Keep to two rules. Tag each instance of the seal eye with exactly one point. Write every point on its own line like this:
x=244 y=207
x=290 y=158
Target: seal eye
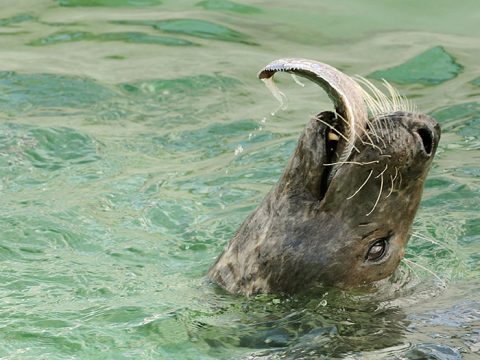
x=377 y=250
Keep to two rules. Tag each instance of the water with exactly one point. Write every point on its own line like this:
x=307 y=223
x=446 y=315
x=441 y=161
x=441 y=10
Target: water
x=135 y=138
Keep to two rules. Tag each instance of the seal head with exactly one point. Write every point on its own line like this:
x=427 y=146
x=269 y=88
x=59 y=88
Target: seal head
x=341 y=213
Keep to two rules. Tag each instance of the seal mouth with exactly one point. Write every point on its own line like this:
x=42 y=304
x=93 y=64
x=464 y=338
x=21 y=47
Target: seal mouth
x=355 y=102
x=346 y=94
x=363 y=130
x=333 y=144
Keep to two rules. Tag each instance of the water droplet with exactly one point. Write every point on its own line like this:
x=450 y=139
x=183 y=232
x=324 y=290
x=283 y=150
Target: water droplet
x=238 y=150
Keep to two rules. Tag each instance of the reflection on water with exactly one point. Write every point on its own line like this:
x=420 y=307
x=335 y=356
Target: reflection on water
x=135 y=138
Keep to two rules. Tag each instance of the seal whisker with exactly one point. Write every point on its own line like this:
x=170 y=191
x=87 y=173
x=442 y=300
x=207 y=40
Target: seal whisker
x=391 y=188
x=443 y=282
x=401 y=179
x=378 y=197
x=369 y=125
x=398 y=101
x=423 y=237
x=374 y=146
x=374 y=103
x=378 y=103
x=373 y=130
x=376 y=136
x=352 y=162
x=383 y=141
x=385 y=131
x=388 y=128
x=361 y=186
x=337 y=115
x=381 y=174
x=380 y=130
x=396 y=173
x=371 y=141
x=391 y=127
x=393 y=182
x=339 y=133
x=363 y=130
x=412 y=269
x=358 y=125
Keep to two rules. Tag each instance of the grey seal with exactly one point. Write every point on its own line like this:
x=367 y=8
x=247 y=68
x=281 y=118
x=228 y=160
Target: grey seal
x=341 y=213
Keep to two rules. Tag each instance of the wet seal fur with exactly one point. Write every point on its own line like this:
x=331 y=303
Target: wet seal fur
x=341 y=213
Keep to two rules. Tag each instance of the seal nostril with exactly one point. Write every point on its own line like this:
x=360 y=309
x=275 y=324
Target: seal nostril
x=427 y=139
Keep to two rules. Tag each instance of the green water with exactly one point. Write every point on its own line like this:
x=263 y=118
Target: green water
x=135 y=138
